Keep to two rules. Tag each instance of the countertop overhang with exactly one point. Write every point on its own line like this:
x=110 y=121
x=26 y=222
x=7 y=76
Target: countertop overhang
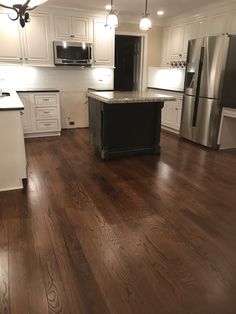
x=114 y=97
x=37 y=90
x=11 y=102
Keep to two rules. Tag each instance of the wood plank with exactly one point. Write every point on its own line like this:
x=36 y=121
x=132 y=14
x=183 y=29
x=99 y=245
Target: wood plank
x=148 y=234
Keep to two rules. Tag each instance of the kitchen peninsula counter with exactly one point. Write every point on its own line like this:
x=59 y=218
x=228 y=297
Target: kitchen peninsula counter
x=10 y=101
x=125 y=123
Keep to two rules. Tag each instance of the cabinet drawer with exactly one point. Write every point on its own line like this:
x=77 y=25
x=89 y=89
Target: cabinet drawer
x=47 y=125
x=45 y=100
x=46 y=112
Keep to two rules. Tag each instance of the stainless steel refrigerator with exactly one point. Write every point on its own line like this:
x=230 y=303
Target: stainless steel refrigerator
x=210 y=83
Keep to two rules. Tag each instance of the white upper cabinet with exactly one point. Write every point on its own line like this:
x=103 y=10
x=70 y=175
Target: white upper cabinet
x=72 y=28
x=176 y=37
x=202 y=28
x=10 y=46
x=165 y=57
x=232 y=23
x=218 y=24
x=189 y=30
x=29 y=45
x=176 y=43
x=104 y=41
x=38 y=47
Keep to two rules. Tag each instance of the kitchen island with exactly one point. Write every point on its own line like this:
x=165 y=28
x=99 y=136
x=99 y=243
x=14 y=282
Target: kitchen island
x=125 y=123
x=12 y=145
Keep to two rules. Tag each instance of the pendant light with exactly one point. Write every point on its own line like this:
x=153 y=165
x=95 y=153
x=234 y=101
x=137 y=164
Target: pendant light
x=112 y=17
x=145 y=22
x=21 y=8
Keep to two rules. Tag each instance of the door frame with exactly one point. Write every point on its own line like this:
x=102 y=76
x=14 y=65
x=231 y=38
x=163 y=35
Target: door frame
x=143 y=61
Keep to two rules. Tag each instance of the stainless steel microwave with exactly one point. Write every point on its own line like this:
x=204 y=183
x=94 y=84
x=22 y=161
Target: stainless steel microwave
x=72 y=53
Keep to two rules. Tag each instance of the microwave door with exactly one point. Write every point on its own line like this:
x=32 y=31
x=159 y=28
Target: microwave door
x=72 y=53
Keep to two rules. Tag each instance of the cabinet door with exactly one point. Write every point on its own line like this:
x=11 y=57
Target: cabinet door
x=176 y=42
x=103 y=44
x=219 y=24
x=188 y=33
x=10 y=45
x=232 y=27
x=177 y=115
x=63 y=28
x=80 y=28
x=26 y=113
x=37 y=45
x=171 y=114
x=165 y=61
x=202 y=28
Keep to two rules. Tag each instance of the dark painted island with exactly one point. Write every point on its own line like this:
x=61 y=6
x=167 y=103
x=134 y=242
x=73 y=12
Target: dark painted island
x=125 y=123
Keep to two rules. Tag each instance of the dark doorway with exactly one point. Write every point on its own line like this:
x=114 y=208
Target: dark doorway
x=127 y=62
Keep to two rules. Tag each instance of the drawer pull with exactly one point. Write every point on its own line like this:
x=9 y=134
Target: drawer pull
x=46 y=112
x=47 y=124
x=46 y=99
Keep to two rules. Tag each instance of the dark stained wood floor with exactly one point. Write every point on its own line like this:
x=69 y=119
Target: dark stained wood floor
x=147 y=235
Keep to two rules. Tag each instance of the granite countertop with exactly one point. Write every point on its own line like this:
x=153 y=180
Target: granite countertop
x=129 y=97
x=11 y=102
x=37 y=90
x=167 y=91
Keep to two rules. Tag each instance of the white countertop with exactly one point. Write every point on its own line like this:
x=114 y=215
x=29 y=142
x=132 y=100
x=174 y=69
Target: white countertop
x=11 y=102
x=114 y=97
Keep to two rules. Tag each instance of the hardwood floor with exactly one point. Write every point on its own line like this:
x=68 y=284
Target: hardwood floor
x=147 y=235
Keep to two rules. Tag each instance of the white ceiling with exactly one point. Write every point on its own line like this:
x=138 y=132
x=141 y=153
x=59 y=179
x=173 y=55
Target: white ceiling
x=136 y=7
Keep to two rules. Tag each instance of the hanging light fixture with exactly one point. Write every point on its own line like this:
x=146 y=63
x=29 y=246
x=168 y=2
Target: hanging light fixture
x=21 y=8
x=112 y=17
x=145 y=22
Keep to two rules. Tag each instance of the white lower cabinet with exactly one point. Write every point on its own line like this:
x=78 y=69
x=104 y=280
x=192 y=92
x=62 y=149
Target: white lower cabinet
x=171 y=115
x=12 y=157
x=41 y=115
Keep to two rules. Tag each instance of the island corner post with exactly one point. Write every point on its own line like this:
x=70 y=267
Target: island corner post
x=125 y=129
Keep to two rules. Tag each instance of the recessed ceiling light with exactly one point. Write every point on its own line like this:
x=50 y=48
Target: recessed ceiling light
x=108 y=7
x=160 y=12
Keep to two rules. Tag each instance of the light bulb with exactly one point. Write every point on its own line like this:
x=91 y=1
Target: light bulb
x=112 y=20
x=145 y=23
x=160 y=12
x=108 y=7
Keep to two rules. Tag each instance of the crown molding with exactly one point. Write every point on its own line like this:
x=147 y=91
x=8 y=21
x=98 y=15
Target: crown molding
x=206 y=10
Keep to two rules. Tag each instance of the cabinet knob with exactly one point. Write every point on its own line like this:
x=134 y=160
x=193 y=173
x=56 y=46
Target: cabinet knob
x=72 y=36
x=20 y=58
x=26 y=59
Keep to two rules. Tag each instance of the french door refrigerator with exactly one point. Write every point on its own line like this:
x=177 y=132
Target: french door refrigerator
x=210 y=83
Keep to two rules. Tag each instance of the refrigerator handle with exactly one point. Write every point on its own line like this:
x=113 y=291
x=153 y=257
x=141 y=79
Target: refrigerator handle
x=198 y=87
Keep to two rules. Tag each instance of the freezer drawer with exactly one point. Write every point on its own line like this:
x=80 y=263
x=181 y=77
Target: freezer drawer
x=207 y=122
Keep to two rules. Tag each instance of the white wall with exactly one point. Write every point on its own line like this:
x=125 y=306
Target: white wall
x=72 y=82
x=62 y=78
